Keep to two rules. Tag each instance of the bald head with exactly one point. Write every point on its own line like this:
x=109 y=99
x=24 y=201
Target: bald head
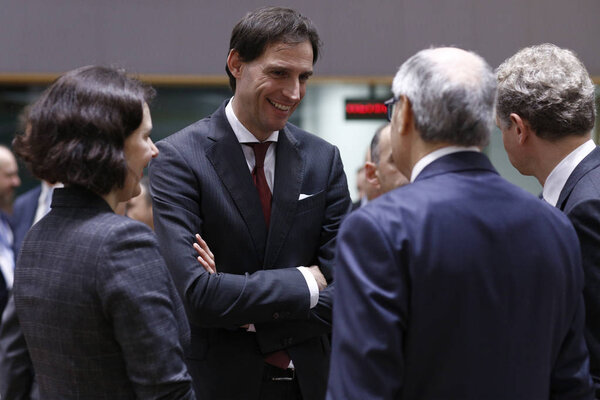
x=9 y=179
x=451 y=92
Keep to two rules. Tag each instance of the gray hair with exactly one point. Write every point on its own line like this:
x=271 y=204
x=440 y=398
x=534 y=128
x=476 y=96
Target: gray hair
x=451 y=102
x=550 y=88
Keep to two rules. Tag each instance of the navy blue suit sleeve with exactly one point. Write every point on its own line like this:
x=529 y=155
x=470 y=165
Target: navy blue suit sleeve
x=585 y=217
x=16 y=369
x=222 y=299
x=139 y=298
x=370 y=313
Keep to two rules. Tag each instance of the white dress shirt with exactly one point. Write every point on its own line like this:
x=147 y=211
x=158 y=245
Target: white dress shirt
x=45 y=200
x=245 y=136
x=434 y=155
x=558 y=177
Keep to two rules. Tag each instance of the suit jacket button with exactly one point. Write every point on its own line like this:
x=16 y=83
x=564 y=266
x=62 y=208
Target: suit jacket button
x=276 y=315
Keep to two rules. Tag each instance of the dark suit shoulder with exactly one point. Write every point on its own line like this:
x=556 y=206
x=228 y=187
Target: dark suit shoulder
x=585 y=190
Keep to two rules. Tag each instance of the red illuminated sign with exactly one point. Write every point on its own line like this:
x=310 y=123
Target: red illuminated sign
x=365 y=109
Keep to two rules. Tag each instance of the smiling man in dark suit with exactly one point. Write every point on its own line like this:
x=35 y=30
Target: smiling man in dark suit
x=459 y=285
x=546 y=111
x=267 y=198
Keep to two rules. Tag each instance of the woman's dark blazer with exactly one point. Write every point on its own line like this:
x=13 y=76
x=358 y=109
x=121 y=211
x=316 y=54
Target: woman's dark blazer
x=97 y=306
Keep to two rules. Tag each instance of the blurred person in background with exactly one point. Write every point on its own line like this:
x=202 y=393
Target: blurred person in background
x=9 y=181
x=380 y=170
x=98 y=309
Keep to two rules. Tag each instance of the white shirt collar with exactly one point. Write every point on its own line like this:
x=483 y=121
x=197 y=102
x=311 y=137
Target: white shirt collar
x=434 y=155
x=244 y=135
x=558 y=177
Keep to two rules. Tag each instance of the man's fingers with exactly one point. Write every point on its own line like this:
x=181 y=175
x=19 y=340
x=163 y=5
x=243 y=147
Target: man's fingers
x=204 y=246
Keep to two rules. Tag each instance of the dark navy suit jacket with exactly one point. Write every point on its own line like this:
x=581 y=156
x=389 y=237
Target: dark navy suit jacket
x=458 y=286
x=16 y=371
x=201 y=183
x=580 y=200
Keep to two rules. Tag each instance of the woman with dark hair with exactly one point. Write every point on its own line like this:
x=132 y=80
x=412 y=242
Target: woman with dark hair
x=97 y=306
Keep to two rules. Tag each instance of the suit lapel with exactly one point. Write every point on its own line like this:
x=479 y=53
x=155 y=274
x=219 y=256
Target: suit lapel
x=289 y=172
x=591 y=161
x=228 y=160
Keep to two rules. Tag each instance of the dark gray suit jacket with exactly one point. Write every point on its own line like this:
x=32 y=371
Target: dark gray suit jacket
x=201 y=183
x=97 y=306
x=580 y=200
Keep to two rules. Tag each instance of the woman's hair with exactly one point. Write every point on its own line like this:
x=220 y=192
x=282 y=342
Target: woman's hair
x=75 y=132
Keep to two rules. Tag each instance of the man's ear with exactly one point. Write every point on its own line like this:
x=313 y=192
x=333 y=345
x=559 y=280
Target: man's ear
x=234 y=63
x=406 y=116
x=371 y=173
x=523 y=130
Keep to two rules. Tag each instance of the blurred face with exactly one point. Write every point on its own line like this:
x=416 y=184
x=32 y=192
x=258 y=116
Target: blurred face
x=270 y=88
x=139 y=149
x=140 y=209
x=9 y=179
x=387 y=172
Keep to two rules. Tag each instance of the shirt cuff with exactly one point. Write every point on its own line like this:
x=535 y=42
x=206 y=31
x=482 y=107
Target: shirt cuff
x=311 y=282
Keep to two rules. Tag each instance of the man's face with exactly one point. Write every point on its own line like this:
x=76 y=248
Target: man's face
x=269 y=88
x=400 y=145
x=9 y=179
x=511 y=145
x=388 y=174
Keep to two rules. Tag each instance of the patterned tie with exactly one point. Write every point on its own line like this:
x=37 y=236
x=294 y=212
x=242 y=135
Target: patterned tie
x=280 y=358
x=260 y=181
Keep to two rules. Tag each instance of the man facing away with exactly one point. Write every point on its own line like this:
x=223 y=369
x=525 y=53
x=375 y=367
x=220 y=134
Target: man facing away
x=459 y=285
x=546 y=111
x=380 y=170
x=267 y=198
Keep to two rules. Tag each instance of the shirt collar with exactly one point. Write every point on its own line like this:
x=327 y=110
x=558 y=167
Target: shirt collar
x=244 y=135
x=434 y=155
x=558 y=177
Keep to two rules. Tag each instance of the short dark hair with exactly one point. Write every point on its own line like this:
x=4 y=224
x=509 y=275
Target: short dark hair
x=75 y=132
x=267 y=25
x=374 y=149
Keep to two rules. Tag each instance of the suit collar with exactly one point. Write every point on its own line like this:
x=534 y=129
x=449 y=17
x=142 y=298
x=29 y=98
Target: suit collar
x=78 y=197
x=590 y=162
x=457 y=162
x=434 y=155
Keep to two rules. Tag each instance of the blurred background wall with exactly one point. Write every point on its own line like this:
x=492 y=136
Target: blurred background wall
x=180 y=47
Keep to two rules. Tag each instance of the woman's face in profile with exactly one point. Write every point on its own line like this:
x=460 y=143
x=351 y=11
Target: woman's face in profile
x=138 y=149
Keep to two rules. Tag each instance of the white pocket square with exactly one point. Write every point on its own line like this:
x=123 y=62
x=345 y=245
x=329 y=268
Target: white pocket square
x=304 y=196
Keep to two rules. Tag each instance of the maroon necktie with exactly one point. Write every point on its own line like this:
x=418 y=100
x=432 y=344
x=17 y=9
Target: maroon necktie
x=260 y=180
x=280 y=358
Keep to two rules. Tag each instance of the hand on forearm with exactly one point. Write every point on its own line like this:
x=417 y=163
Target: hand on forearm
x=205 y=257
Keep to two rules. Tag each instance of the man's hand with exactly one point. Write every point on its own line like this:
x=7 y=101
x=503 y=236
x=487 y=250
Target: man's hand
x=321 y=281
x=206 y=257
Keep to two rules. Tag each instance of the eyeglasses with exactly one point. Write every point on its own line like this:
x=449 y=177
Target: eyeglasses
x=390 y=107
